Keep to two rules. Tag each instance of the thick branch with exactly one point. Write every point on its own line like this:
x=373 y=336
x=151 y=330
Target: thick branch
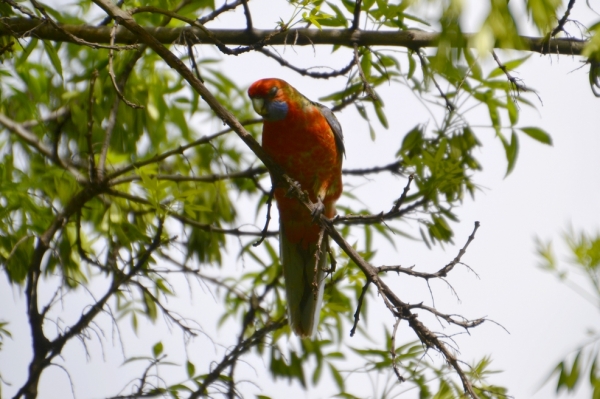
x=412 y=39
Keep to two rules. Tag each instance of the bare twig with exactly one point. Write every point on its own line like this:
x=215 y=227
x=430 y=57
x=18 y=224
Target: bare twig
x=516 y=83
x=378 y=218
x=561 y=23
x=266 y=228
x=175 y=318
x=224 y=8
x=359 y=306
x=366 y=85
x=393 y=352
x=247 y=15
x=191 y=222
x=450 y=319
x=402 y=198
x=356 y=19
x=54 y=115
x=19 y=7
x=307 y=71
x=248 y=173
x=449 y=104
x=179 y=150
x=33 y=141
x=260 y=43
x=111 y=72
x=74 y=38
x=443 y=272
x=195 y=68
x=232 y=355
x=6 y=48
x=90 y=125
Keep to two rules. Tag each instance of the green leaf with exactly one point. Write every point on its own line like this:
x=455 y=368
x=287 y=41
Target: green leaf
x=53 y=55
x=337 y=376
x=513 y=111
x=381 y=114
x=190 y=368
x=365 y=64
x=151 y=310
x=537 y=134
x=543 y=13
x=157 y=349
x=511 y=149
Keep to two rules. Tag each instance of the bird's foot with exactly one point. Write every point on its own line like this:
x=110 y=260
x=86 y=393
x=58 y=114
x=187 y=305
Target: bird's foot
x=317 y=210
x=295 y=184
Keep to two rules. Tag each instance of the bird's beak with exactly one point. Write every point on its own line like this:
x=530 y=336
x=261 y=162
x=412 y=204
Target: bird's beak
x=259 y=106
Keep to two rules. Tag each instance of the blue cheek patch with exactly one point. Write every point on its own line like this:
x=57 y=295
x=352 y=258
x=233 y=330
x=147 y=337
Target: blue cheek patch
x=277 y=110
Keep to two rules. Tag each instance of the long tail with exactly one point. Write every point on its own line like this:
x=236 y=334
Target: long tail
x=304 y=292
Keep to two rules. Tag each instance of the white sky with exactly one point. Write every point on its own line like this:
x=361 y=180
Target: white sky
x=550 y=189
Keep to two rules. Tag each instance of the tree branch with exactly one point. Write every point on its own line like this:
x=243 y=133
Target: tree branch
x=443 y=272
x=32 y=140
x=232 y=356
x=412 y=39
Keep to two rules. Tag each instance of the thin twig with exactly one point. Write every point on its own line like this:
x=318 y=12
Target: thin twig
x=356 y=19
x=359 y=306
x=6 y=48
x=393 y=352
x=443 y=272
x=32 y=140
x=54 y=115
x=266 y=228
x=90 y=126
x=307 y=71
x=247 y=15
x=260 y=43
x=402 y=198
x=232 y=355
x=224 y=8
x=19 y=7
x=380 y=217
x=179 y=150
x=450 y=319
x=191 y=222
x=195 y=68
x=111 y=71
x=366 y=85
x=449 y=104
x=561 y=23
x=212 y=178
x=515 y=82
x=74 y=38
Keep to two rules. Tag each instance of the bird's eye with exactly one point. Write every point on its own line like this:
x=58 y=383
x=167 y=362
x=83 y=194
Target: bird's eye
x=273 y=91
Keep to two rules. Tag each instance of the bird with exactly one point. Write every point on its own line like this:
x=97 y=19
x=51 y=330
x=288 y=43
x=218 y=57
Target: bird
x=305 y=139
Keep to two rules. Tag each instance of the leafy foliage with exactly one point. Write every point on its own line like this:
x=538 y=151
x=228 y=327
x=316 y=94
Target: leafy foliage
x=585 y=259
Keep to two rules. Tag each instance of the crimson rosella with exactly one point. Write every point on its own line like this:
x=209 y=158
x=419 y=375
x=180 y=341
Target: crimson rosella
x=306 y=140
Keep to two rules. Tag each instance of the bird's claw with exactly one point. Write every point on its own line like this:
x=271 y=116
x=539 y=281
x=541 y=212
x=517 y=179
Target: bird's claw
x=293 y=186
x=317 y=210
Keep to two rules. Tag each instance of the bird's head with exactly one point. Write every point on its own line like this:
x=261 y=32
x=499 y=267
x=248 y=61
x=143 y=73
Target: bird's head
x=269 y=98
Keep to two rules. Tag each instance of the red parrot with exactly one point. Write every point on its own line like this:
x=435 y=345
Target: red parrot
x=305 y=139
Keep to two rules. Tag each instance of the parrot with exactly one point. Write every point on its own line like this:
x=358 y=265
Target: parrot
x=305 y=139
